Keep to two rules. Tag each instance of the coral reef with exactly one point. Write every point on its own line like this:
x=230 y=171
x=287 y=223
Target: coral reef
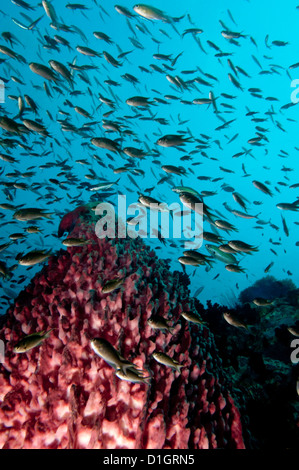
x=259 y=369
x=267 y=287
x=61 y=394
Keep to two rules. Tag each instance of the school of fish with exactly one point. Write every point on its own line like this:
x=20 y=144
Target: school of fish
x=91 y=112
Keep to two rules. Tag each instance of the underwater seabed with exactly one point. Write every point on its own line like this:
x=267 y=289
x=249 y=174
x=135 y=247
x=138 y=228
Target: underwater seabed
x=220 y=387
x=61 y=394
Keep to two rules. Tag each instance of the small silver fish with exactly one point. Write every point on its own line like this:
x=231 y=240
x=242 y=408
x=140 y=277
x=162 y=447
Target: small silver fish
x=233 y=320
x=106 y=351
x=75 y=242
x=159 y=323
x=192 y=317
x=293 y=331
x=260 y=302
x=132 y=375
x=234 y=268
x=33 y=257
x=166 y=360
x=31 y=341
x=189 y=261
x=111 y=285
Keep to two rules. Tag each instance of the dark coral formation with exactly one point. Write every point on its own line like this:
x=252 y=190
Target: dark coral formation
x=259 y=369
x=62 y=395
x=267 y=287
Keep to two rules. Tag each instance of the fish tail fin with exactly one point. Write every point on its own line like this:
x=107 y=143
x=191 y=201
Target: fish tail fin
x=47 y=334
x=48 y=215
x=17 y=116
x=22 y=59
x=34 y=23
x=178 y=18
x=250 y=329
x=125 y=365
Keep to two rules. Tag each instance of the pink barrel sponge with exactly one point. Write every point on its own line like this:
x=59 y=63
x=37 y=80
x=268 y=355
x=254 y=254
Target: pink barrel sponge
x=61 y=394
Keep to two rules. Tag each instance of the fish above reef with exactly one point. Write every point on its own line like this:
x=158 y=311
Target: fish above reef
x=111 y=285
x=31 y=341
x=189 y=261
x=173 y=140
x=5 y=271
x=261 y=302
x=111 y=60
x=33 y=257
x=62 y=70
x=267 y=268
x=186 y=190
x=200 y=258
x=131 y=375
x=226 y=258
x=159 y=323
x=50 y=11
x=43 y=71
x=285 y=206
x=6 y=245
x=262 y=187
x=294 y=331
x=173 y=169
x=234 y=268
x=123 y=11
x=138 y=101
x=195 y=203
x=31 y=214
x=166 y=360
x=16 y=236
x=153 y=13
x=103 y=36
x=151 y=203
x=106 y=351
x=224 y=225
x=10 y=53
x=232 y=35
x=232 y=320
x=75 y=242
x=238 y=245
x=35 y=127
x=33 y=229
x=102 y=186
x=104 y=142
x=193 y=317
x=10 y=125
